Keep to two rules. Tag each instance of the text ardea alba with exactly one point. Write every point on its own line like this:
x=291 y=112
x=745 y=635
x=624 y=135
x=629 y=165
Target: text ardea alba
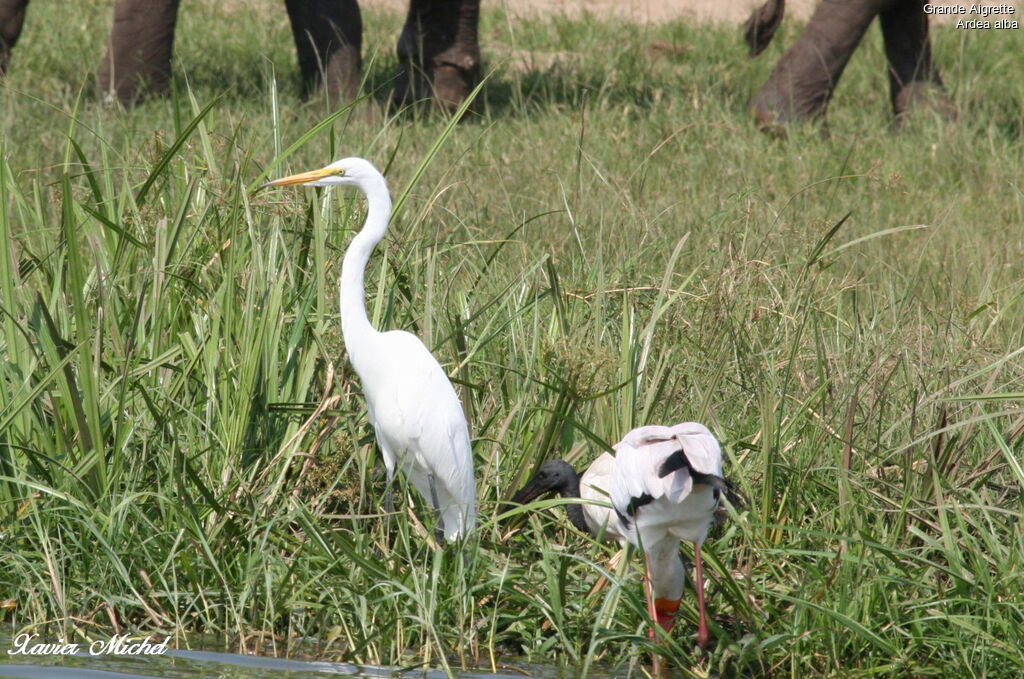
x=416 y=414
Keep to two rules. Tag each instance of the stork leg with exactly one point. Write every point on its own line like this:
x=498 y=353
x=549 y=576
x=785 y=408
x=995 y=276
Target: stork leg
x=657 y=667
x=702 y=625
x=649 y=592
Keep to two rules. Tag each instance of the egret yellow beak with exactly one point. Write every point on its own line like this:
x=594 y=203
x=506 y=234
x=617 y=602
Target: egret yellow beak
x=305 y=177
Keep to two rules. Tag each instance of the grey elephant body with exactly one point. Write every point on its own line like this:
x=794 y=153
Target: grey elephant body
x=803 y=80
x=438 y=52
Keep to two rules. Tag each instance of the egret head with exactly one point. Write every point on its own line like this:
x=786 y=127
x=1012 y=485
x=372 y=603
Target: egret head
x=554 y=476
x=344 y=172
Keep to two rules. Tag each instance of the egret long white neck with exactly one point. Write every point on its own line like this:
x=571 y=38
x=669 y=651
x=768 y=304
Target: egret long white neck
x=354 y=322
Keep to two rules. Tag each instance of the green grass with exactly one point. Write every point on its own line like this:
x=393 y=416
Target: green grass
x=609 y=243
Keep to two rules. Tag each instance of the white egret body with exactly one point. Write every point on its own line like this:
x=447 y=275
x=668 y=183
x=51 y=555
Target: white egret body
x=416 y=414
x=666 y=487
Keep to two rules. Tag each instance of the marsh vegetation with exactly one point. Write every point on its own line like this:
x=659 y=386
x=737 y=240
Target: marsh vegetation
x=607 y=242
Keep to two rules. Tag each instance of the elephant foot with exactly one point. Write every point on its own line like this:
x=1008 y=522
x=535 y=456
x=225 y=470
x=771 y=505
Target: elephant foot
x=802 y=82
x=775 y=108
x=137 y=63
x=438 y=53
x=328 y=38
x=342 y=75
x=445 y=85
x=134 y=86
x=923 y=96
x=452 y=85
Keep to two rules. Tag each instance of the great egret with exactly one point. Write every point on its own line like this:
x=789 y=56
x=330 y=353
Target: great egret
x=416 y=414
x=666 y=486
x=558 y=476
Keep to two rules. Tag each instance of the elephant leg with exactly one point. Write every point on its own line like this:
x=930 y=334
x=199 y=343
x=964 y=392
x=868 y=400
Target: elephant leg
x=800 y=86
x=438 y=52
x=328 y=38
x=913 y=77
x=138 y=58
x=762 y=24
x=12 y=18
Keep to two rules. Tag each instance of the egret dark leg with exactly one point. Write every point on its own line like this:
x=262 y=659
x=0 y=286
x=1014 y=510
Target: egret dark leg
x=389 y=493
x=389 y=502
x=702 y=625
x=439 y=531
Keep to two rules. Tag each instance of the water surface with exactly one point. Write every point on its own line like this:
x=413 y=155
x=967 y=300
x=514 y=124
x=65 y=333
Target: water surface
x=200 y=664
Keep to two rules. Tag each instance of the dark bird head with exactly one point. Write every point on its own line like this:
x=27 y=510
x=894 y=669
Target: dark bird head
x=554 y=476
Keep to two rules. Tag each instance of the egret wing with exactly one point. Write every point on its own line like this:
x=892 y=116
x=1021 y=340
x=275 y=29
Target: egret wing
x=419 y=420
